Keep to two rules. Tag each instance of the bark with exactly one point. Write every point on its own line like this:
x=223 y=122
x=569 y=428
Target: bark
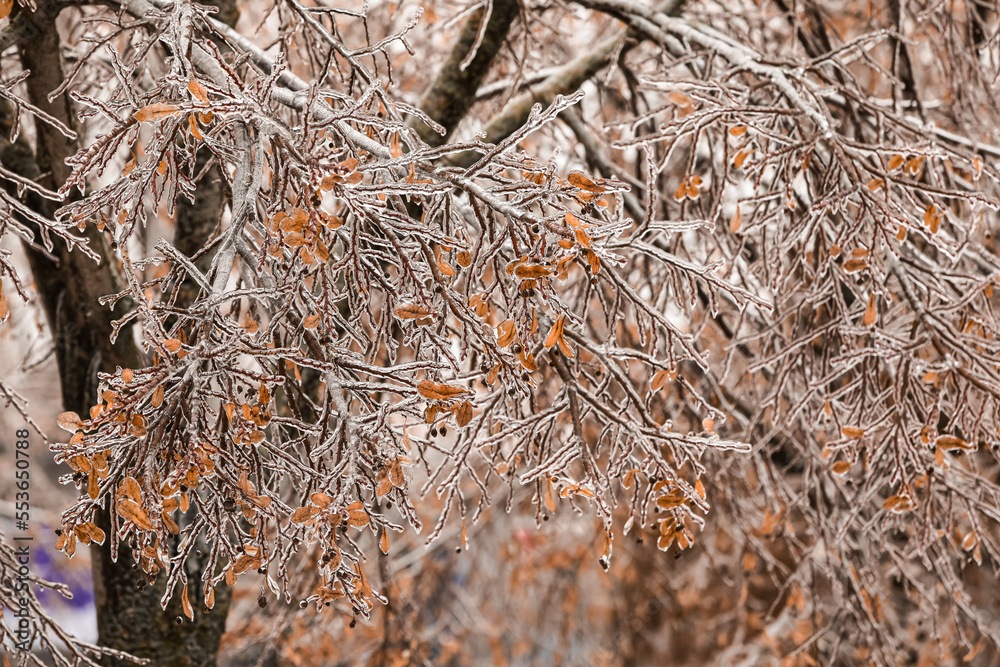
x=564 y=82
x=453 y=91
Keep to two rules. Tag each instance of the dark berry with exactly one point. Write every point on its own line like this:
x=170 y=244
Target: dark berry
x=261 y=602
x=444 y=430
x=517 y=348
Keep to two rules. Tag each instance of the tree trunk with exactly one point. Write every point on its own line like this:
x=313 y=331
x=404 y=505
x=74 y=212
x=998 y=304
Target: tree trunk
x=70 y=284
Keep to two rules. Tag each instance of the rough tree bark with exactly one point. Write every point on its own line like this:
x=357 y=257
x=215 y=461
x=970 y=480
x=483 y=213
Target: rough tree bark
x=453 y=92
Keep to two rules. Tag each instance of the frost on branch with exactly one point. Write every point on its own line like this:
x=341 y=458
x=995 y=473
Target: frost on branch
x=360 y=299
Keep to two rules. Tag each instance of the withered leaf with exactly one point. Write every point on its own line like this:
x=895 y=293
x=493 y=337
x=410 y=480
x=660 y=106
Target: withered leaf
x=198 y=90
x=531 y=271
x=411 y=311
x=356 y=515
x=69 y=421
x=463 y=413
x=131 y=511
x=303 y=514
x=505 y=333
x=439 y=392
x=577 y=179
x=153 y=112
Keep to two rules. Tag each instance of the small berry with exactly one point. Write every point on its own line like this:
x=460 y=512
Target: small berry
x=517 y=348
x=353 y=623
x=434 y=432
x=261 y=602
x=178 y=621
x=444 y=430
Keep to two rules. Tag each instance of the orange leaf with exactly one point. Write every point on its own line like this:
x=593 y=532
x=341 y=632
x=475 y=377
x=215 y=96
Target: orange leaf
x=130 y=488
x=658 y=379
x=578 y=180
x=157 y=399
x=153 y=112
x=853 y=432
x=303 y=514
x=555 y=333
x=947 y=442
x=5 y=7
x=193 y=128
x=198 y=90
x=172 y=344
x=131 y=511
x=680 y=99
x=438 y=392
x=69 y=421
x=870 y=313
x=737 y=221
x=410 y=311
x=681 y=191
x=531 y=271
x=505 y=333
x=853 y=265
x=357 y=516
x=463 y=413
x=383 y=543
x=841 y=467
x=550 y=501
x=528 y=361
x=311 y=322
